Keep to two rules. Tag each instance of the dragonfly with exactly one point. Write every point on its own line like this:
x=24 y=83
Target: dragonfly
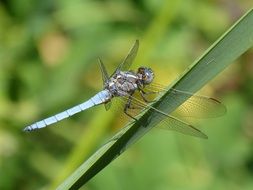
x=125 y=84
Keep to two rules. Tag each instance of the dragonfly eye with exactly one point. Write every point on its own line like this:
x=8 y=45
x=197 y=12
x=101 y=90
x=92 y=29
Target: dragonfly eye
x=147 y=74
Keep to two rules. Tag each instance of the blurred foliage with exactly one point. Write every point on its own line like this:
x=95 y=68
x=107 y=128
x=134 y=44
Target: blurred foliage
x=48 y=62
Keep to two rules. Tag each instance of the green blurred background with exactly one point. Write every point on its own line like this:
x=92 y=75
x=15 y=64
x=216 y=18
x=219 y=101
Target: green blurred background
x=48 y=62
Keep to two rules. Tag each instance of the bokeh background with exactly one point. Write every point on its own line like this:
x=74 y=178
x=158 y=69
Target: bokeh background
x=48 y=62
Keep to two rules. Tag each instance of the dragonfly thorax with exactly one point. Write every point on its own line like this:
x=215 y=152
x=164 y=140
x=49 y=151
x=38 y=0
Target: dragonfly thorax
x=123 y=83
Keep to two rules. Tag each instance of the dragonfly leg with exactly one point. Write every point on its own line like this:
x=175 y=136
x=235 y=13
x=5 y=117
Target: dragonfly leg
x=128 y=106
x=143 y=94
x=150 y=92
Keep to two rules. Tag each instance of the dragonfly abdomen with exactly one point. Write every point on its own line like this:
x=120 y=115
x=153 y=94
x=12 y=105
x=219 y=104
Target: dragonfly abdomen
x=99 y=98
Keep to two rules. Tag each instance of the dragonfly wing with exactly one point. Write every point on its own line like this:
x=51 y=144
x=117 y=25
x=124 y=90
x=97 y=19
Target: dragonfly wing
x=196 y=106
x=105 y=75
x=166 y=121
x=127 y=62
x=175 y=124
x=108 y=105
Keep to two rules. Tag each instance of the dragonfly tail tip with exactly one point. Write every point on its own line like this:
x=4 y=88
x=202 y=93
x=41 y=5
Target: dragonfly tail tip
x=27 y=129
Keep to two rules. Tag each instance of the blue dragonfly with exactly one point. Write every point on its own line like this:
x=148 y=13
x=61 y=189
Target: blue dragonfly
x=125 y=84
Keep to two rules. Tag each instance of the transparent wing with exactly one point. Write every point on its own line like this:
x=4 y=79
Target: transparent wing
x=196 y=106
x=200 y=107
x=105 y=76
x=175 y=124
x=127 y=62
x=166 y=121
x=108 y=105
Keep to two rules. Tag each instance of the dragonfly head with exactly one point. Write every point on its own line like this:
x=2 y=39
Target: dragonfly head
x=146 y=75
